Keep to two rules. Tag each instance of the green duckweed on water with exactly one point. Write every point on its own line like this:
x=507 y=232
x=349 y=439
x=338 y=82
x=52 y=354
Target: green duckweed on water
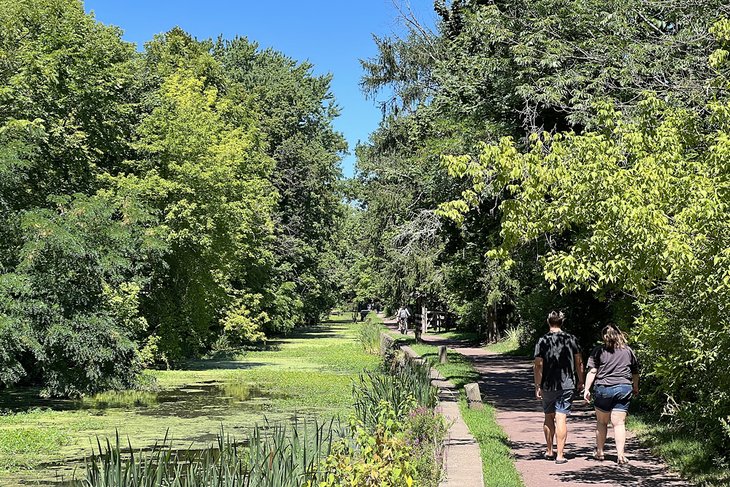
x=311 y=371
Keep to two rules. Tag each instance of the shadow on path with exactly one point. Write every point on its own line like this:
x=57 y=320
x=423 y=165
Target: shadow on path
x=506 y=383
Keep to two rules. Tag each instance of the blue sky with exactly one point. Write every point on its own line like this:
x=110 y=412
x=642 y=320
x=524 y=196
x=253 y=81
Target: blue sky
x=332 y=34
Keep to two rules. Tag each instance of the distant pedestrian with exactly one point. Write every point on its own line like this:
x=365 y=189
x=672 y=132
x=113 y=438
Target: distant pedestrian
x=364 y=311
x=402 y=315
x=557 y=359
x=614 y=369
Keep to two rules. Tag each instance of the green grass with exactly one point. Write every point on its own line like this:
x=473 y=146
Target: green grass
x=119 y=399
x=461 y=335
x=458 y=369
x=22 y=447
x=497 y=463
x=510 y=344
x=310 y=371
x=692 y=457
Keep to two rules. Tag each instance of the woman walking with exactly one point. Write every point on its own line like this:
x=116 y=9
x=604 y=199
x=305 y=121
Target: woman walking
x=615 y=370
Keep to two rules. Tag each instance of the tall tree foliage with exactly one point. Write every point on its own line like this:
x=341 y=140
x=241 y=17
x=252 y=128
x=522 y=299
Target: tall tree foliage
x=645 y=201
x=494 y=69
x=73 y=255
x=68 y=99
x=154 y=203
x=297 y=110
x=602 y=198
x=202 y=168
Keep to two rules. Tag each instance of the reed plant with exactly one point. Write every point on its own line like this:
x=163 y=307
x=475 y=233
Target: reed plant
x=368 y=334
x=275 y=455
x=406 y=387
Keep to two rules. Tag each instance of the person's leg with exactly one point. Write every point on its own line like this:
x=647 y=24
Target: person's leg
x=618 y=419
x=602 y=419
x=563 y=405
x=561 y=431
x=549 y=429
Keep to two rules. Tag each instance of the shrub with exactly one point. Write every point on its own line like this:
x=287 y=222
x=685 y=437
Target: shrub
x=425 y=433
x=378 y=454
x=242 y=325
x=75 y=295
x=152 y=355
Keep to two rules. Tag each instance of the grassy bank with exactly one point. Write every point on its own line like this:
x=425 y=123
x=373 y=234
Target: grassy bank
x=308 y=372
x=692 y=457
x=497 y=463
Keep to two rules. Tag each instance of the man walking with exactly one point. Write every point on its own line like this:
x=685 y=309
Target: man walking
x=557 y=362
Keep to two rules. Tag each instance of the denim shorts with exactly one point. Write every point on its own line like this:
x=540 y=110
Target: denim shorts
x=612 y=398
x=557 y=401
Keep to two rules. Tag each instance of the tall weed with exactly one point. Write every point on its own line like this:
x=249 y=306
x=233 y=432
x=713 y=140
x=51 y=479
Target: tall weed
x=368 y=334
x=405 y=388
x=277 y=455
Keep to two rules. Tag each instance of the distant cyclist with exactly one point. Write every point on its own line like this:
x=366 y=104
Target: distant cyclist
x=403 y=314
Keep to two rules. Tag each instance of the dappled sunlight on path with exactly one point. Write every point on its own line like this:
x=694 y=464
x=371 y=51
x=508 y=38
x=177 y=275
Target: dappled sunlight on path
x=506 y=383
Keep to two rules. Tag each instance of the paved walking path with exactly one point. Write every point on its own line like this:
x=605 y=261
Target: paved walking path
x=506 y=383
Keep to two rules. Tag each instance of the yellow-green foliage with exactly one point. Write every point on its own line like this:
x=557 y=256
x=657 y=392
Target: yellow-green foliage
x=203 y=168
x=643 y=202
x=379 y=457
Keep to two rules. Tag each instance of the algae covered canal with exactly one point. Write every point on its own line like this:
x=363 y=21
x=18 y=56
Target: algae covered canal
x=42 y=442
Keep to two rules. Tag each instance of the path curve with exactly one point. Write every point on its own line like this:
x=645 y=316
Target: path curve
x=506 y=383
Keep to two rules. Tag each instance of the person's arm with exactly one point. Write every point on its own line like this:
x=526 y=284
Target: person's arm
x=634 y=373
x=538 y=377
x=590 y=377
x=579 y=369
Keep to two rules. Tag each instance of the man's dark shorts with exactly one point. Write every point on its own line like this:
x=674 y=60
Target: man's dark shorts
x=557 y=401
x=612 y=398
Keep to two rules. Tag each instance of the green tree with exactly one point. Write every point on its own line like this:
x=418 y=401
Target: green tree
x=645 y=202
x=296 y=111
x=495 y=69
x=72 y=256
x=69 y=312
x=202 y=168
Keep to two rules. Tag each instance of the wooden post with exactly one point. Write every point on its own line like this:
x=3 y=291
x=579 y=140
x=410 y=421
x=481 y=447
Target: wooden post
x=474 y=396
x=424 y=319
x=443 y=356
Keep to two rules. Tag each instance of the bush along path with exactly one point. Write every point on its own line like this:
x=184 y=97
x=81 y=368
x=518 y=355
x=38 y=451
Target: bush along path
x=506 y=383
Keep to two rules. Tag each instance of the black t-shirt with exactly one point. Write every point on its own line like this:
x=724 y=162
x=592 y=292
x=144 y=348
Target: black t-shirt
x=558 y=351
x=614 y=367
